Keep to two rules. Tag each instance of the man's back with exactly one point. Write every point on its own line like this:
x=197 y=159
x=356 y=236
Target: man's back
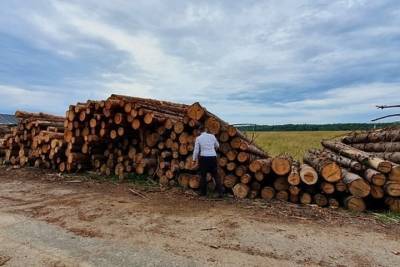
x=206 y=144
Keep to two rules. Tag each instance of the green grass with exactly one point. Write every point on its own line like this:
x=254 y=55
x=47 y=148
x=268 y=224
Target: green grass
x=388 y=217
x=293 y=143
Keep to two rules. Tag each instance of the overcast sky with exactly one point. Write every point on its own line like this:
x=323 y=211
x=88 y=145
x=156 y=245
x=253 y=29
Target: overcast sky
x=272 y=62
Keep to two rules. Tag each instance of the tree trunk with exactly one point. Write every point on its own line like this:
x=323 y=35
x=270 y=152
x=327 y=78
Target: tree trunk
x=361 y=156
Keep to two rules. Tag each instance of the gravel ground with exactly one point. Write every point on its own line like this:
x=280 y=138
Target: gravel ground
x=50 y=220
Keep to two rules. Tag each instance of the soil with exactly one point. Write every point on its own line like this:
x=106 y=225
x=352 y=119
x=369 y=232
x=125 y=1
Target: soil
x=51 y=220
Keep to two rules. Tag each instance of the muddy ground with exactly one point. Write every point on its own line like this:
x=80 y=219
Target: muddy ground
x=52 y=220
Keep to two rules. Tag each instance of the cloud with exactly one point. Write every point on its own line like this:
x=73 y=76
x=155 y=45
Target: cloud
x=15 y=98
x=252 y=61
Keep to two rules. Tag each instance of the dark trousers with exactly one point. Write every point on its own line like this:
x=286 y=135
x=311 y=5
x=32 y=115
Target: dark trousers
x=209 y=165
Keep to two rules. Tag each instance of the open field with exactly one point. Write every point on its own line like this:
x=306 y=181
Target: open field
x=293 y=143
x=73 y=220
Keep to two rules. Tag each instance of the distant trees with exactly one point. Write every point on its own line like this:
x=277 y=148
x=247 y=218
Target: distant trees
x=317 y=127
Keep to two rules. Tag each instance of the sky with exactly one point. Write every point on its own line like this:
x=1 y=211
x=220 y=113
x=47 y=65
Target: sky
x=265 y=62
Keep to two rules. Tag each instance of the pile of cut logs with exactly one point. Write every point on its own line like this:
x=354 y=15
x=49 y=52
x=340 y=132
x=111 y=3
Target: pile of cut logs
x=37 y=140
x=126 y=135
x=370 y=171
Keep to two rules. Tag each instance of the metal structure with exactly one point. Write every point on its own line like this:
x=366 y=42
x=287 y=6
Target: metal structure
x=387 y=116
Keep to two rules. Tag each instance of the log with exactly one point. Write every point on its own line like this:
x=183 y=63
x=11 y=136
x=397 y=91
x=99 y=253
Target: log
x=320 y=200
x=384 y=135
x=308 y=175
x=281 y=183
x=282 y=195
x=230 y=181
x=294 y=190
x=213 y=125
x=361 y=156
x=393 y=203
x=392 y=188
x=340 y=186
x=305 y=198
x=378 y=147
x=40 y=115
x=357 y=186
x=333 y=203
x=267 y=193
x=194 y=181
x=374 y=177
x=245 y=178
x=281 y=165
x=377 y=192
x=262 y=165
x=391 y=156
x=241 y=190
x=294 y=175
x=394 y=174
x=327 y=188
x=354 y=204
x=341 y=160
x=328 y=169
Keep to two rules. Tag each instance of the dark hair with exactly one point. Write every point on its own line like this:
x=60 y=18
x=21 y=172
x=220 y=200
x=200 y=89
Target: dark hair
x=202 y=128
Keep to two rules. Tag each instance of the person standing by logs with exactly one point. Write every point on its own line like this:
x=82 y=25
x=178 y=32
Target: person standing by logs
x=205 y=155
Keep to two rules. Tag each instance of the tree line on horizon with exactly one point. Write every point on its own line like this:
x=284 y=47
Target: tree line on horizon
x=317 y=127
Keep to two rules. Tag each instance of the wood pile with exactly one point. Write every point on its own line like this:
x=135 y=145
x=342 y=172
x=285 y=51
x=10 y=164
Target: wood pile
x=37 y=140
x=370 y=176
x=125 y=135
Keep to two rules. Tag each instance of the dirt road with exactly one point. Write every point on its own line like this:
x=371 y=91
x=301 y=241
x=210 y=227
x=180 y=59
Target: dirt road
x=46 y=220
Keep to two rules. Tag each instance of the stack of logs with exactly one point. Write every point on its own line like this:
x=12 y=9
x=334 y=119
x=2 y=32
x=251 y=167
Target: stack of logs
x=126 y=135
x=370 y=170
x=5 y=131
x=37 y=140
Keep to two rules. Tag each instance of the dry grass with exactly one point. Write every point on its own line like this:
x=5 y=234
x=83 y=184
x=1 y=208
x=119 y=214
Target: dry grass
x=294 y=143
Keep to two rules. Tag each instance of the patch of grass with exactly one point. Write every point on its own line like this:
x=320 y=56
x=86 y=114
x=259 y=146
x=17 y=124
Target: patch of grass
x=293 y=143
x=388 y=217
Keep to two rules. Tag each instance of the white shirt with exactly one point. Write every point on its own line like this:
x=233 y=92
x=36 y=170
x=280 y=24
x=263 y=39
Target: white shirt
x=205 y=145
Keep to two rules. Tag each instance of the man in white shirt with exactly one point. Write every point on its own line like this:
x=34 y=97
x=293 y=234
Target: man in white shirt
x=205 y=153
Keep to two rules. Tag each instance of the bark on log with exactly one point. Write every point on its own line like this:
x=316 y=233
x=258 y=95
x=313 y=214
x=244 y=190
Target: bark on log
x=391 y=156
x=341 y=160
x=384 y=135
x=361 y=156
x=378 y=147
